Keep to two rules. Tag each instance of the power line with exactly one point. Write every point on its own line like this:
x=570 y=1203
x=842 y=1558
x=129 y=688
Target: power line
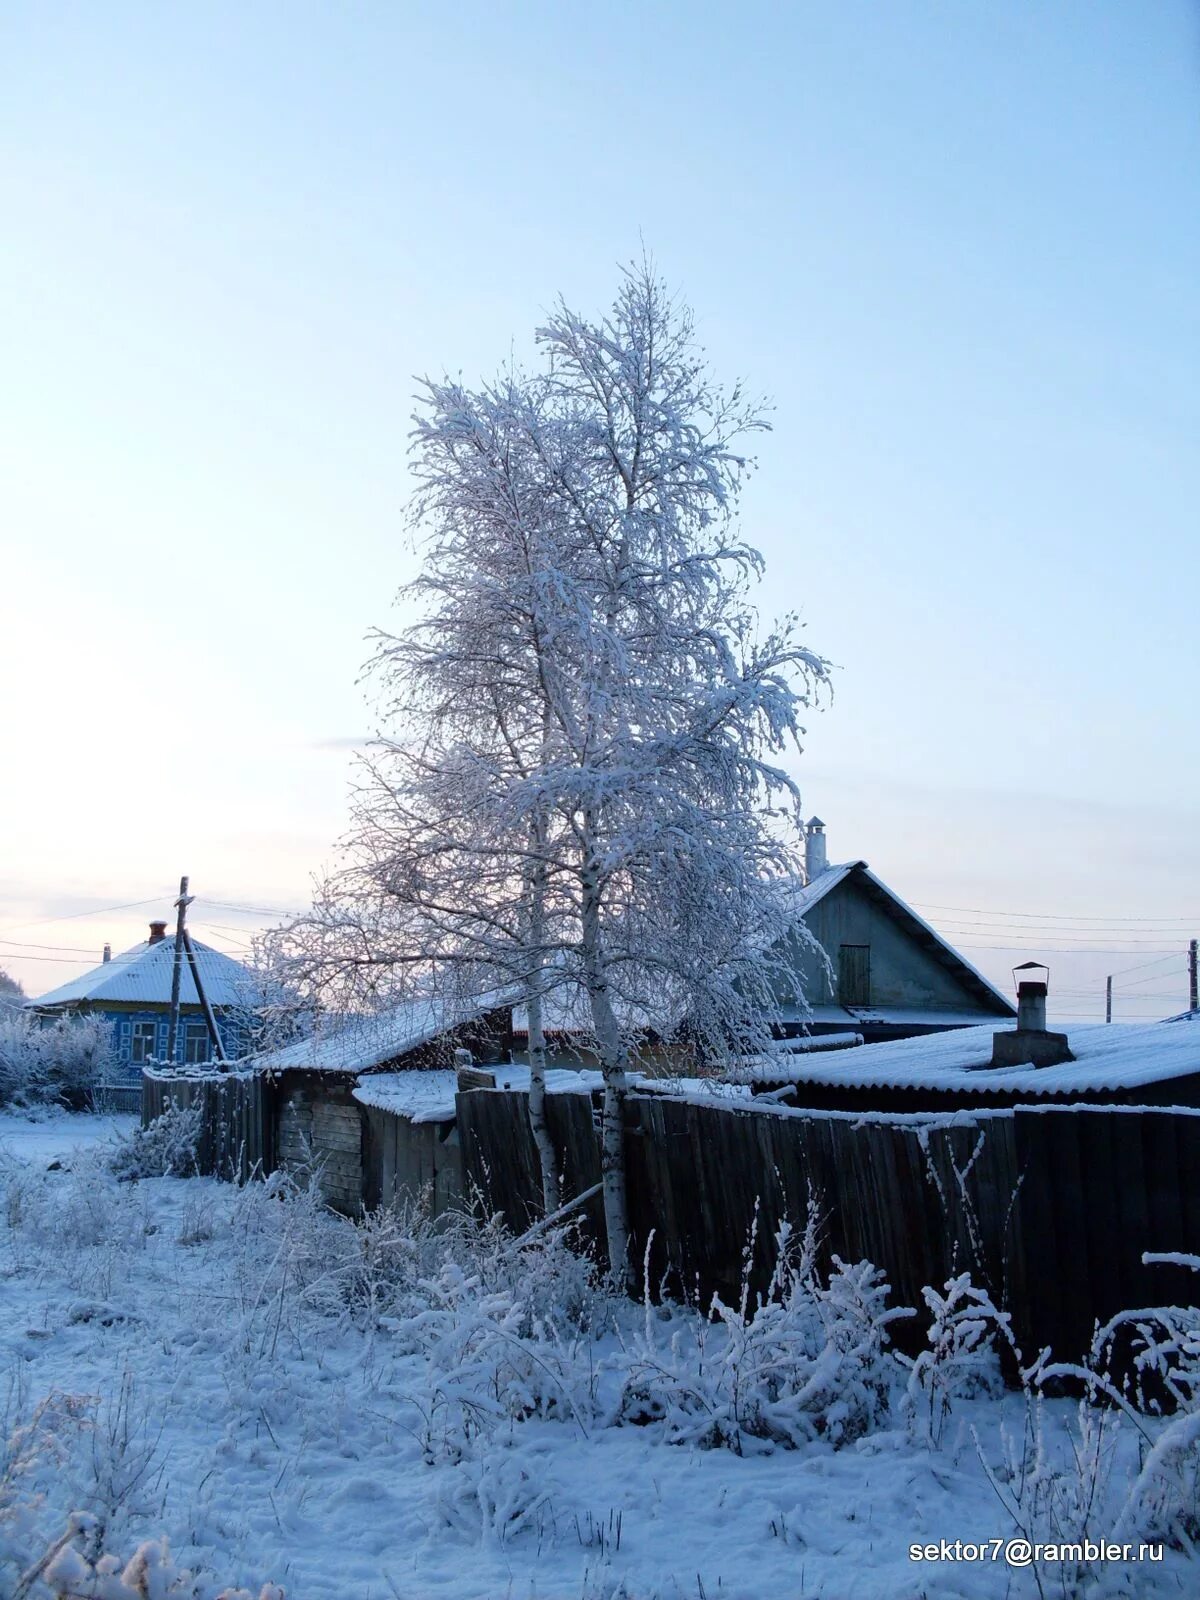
x=1064 y=949
x=72 y=949
x=264 y=911
x=1028 y=930
x=65 y=961
x=1143 y=965
x=1050 y=916
x=95 y=911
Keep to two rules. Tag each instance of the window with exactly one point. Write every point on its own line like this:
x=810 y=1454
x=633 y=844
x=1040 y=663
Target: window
x=854 y=975
x=141 y=1047
x=195 y=1043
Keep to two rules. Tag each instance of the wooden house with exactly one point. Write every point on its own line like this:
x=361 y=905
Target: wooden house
x=877 y=969
x=132 y=991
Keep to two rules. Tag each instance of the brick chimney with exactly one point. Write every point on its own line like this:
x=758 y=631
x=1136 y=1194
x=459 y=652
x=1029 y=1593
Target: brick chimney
x=815 y=862
x=158 y=932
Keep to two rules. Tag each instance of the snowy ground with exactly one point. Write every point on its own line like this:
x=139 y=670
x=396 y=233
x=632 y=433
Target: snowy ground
x=45 y=1136
x=364 y=1414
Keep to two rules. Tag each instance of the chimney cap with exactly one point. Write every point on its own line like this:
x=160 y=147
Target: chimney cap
x=815 y=825
x=1025 y=973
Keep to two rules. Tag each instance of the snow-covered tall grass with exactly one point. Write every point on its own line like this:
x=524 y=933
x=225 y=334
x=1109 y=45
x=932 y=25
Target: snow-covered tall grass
x=291 y=1398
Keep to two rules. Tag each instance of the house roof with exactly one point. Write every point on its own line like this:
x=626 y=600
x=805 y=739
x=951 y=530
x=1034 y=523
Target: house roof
x=363 y=1043
x=142 y=975
x=1109 y=1056
x=918 y=929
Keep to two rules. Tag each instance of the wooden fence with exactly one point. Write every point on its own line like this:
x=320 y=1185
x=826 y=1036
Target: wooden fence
x=1050 y=1208
x=407 y=1163
x=307 y=1123
x=237 y=1134
x=117 y=1097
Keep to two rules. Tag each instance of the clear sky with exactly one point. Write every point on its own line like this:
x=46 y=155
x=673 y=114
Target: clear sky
x=958 y=244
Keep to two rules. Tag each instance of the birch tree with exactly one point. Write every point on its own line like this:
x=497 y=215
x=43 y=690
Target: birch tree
x=580 y=790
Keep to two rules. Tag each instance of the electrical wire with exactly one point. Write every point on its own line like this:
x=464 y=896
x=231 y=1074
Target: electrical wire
x=70 y=949
x=1049 y=916
x=95 y=911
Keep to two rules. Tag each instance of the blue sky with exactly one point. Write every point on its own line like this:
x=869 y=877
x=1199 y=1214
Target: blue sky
x=958 y=245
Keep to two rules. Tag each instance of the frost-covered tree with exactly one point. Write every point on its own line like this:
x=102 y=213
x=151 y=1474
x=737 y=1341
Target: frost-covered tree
x=578 y=792
x=11 y=992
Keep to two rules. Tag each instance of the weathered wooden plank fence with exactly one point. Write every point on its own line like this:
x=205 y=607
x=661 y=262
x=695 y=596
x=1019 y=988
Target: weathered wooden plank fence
x=410 y=1164
x=1050 y=1208
x=237 y=1139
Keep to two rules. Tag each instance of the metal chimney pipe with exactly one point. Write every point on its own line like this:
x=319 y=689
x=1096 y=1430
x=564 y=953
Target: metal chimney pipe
x=815 y=860
x=107 y=956
x=1031 y=1007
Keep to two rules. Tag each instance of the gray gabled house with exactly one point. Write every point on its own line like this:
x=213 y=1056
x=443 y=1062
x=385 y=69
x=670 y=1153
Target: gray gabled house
x=884 y=972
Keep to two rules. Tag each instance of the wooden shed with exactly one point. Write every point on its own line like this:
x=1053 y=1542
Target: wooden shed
x=323 y=1122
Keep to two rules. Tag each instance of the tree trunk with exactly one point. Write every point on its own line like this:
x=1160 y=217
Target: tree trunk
x=537 y=1035
x=612 y=1065
x=537 y=1106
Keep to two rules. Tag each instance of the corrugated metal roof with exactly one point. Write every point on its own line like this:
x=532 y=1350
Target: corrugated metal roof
x=143 y=975
x=371 y=1041
x=1108 y=1056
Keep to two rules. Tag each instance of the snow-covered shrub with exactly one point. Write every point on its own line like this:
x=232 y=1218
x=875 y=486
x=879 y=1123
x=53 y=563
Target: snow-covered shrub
x=1120 y=1470
x=36 y=1444
x=962 y=1359
x=1059 y=1480
x=1164 y=1500
x=78 y=1567
x=807 y=1360
x=58 y=1063
x=167 y=1148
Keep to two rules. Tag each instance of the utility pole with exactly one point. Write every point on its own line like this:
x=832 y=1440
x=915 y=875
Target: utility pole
x=1193 y=976
x=209 y=1016
x=182 y=903
x=1108 y=998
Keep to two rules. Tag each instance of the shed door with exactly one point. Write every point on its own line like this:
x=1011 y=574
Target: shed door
x=854 y=974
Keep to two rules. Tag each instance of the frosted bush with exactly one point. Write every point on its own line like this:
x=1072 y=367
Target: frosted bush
x=807 y=1360
x=77 y=1567
x=962 y=1359
x=167 y=1148
x=58 y=1063
x=1164 y=1500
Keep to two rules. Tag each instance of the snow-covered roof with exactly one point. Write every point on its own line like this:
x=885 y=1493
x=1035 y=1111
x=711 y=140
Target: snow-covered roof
x=143 y=976
x=428 y=1096
x=1113 y=1056
x=851 y=1017
x=365 y=1042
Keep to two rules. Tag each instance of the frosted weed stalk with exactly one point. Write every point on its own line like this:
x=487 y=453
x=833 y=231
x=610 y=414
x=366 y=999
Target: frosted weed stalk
x=806 y=1360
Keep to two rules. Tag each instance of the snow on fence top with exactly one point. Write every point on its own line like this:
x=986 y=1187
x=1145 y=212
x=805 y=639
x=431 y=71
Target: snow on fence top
x=1108 y=1056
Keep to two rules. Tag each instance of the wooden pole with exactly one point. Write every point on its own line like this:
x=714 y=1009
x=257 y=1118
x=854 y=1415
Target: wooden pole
x=209 y=1016
x=177 y=971
x=1193 y=978
x=1108 y=999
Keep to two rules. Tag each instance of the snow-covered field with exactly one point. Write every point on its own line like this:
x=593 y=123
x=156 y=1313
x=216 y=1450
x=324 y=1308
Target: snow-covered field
x=364 y=1413
x=45 y=1136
